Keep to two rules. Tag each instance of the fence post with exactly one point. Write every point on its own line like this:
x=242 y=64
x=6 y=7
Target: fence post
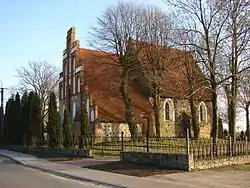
x=246 y=142
x=230 y=146
x=91 y=142
x=187 y=142
x=211 y=147
x=122 y=140
x=147 y=143
x=102 y=147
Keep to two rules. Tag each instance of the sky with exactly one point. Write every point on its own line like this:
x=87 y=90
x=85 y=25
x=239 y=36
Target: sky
x=36 y=30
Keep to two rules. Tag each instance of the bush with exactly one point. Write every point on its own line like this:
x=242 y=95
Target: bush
x=67 y=133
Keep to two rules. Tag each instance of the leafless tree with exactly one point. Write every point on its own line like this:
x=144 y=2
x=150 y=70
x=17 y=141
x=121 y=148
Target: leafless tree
x=202 y=23
x=114 y=32
x=40 y=77
x=244 y=98
x=224 y=105
x=153 y=55
x=235 y=53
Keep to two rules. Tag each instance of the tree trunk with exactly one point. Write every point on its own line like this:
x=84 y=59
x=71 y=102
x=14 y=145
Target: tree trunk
x=234 y=71
x=229 y=111
x=129 y=115
x=157 y=111
x=220 y=129
x=195 y=125
x=232 y=118
x=247 y=120
x=214 y=132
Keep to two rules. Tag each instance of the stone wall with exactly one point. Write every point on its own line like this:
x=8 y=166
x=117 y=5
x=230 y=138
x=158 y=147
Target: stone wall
x=181 y=161
x=174 y=127
x=113 y=129
x=57 y=151
x=164 y=160
x=219 y=162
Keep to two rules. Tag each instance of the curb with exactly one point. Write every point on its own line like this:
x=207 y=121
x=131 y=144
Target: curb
x=64 y=175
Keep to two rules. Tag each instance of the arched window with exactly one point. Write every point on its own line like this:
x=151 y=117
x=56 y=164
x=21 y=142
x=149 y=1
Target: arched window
x=79 y=85
x=169 y=112
x=73 y=110
x=202 y=112
x=74 y=63
x=166 y=111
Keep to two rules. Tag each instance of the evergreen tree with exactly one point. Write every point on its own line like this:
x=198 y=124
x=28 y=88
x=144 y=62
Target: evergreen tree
x=24 y=119
x=67 y=133
x=9 y=120
x=53 y=126
x=6 y=121
x=28 y=134
x=1 y=125
x=16 y=112
x=35 y=118
x=85 y=129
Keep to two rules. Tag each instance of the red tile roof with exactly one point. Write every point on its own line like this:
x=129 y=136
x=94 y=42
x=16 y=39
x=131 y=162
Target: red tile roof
x=102 y=74
x=177 y=67
x=103 y=80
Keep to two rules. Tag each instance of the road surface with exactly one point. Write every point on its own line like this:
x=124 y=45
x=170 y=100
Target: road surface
x=13 y=175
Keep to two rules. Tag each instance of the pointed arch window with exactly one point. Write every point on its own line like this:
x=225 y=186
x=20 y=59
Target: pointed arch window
x=169 y=111
x=202 y=112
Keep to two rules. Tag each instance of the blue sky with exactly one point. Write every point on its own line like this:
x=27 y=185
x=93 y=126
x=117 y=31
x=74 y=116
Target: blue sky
x=36 y=30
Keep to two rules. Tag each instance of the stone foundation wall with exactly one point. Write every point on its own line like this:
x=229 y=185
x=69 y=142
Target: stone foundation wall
x=209 y=163
x=169 y=161
x=181 y=161
x=114 y=130
x=57 y=151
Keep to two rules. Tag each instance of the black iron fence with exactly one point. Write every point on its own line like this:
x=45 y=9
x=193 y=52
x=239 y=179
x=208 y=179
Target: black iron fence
x=204 y=149
x=114 y=145
x=200 y=149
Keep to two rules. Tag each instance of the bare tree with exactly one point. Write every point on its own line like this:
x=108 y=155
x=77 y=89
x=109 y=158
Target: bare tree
x=41 y=78
x=235 y=52
x=244 y=98
x=203 y=24
x=153 y=55
x=115 y=31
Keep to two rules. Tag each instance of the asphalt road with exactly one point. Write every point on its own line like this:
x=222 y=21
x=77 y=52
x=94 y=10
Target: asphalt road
x=13 y=175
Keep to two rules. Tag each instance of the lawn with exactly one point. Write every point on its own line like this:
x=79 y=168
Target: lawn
x=113 y=146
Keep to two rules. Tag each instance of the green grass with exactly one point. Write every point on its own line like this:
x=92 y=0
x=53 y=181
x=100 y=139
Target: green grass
x=114 y=146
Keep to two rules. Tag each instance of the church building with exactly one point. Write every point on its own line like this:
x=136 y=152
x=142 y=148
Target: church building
x=89 y=76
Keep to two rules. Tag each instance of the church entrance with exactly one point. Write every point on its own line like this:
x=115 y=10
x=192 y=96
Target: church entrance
x=185 y=123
